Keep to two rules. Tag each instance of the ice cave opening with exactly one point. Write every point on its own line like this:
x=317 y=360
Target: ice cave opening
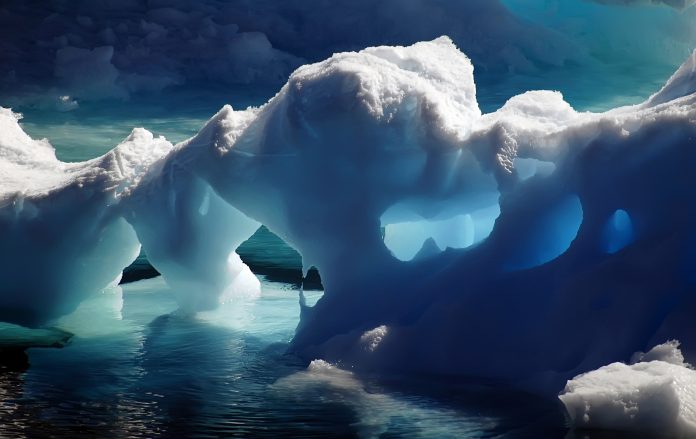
x=415 y=237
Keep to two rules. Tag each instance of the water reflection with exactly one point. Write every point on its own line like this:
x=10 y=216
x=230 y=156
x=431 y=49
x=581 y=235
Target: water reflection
x=138 y=369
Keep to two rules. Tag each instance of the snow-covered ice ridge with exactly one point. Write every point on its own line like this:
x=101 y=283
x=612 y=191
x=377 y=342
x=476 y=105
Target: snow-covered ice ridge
x=573 y=231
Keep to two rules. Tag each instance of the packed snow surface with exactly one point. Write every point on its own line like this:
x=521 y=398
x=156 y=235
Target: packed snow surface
x=577 y=225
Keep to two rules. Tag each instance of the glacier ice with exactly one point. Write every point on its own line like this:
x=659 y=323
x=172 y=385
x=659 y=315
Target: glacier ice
x=372 y=139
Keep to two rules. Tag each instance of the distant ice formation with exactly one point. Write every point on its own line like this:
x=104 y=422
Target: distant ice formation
x=578 y=225
x=135 y=47
x=131 y=48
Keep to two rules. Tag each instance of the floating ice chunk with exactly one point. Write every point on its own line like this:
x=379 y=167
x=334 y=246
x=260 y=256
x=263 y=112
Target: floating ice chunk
x=66 y=103
x=652 y=395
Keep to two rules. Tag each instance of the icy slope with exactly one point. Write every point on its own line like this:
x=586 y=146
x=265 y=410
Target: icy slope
x=577 y=224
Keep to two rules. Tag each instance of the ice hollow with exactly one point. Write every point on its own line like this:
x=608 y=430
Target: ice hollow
x=540 y=229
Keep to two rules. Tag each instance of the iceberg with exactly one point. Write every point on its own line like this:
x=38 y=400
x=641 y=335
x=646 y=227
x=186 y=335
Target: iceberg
x=546 y=267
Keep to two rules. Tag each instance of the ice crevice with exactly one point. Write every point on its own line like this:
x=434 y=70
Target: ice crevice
x=522 y=290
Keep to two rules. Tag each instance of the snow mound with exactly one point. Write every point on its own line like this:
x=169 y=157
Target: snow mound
x=652 y=395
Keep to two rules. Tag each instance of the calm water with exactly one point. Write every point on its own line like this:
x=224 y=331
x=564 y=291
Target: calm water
x=135 y=368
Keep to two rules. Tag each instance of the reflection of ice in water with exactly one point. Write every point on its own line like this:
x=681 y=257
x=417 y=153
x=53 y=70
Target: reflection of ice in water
x=377 y=413
x=130 y=306
x=136 y=367
x=98 y=315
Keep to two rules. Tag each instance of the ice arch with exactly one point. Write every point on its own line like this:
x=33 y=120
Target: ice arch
x=319 y=164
